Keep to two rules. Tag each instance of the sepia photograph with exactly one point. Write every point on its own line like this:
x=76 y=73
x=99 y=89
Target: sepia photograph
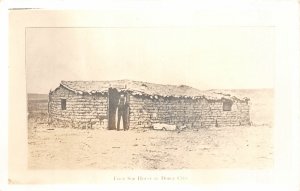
x=150 y=97
x=197 y=94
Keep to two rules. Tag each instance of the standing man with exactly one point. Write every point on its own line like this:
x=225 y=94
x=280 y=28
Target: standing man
x=122 y=112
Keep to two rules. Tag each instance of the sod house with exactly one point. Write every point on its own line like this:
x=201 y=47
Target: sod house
x=93 y=104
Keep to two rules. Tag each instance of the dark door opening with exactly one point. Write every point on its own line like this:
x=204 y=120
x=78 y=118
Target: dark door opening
x=113 y=98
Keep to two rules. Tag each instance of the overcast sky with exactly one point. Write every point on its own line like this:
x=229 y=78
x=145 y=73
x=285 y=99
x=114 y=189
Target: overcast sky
x=202 y=57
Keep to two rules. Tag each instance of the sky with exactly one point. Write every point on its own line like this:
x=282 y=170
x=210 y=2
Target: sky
x=212 y=57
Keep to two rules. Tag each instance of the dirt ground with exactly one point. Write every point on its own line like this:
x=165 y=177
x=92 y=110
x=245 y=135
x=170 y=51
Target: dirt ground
x=227 y=147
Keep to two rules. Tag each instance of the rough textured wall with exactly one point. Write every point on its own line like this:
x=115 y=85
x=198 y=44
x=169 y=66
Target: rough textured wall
x=81 y=110
x=91 y=111
x=183 y=111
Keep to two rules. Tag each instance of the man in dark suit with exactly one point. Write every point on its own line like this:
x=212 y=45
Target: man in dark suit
x=122 y=112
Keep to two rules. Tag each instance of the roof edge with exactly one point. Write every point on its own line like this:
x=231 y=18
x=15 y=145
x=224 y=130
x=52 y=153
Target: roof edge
x=140 y=93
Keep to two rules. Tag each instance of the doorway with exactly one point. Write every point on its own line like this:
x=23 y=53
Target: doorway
x=113 y=100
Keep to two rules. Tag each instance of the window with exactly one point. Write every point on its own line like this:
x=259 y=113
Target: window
x=227 y=105
x=63 y=104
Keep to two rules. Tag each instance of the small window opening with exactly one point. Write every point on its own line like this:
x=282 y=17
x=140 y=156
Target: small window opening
x=63 y=104
x=227 y=106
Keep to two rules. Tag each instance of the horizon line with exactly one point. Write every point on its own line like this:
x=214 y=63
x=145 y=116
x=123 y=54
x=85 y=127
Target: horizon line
x=199 y=89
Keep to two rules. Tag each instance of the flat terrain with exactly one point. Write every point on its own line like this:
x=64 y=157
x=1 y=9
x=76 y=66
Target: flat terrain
x=228 y=147
x=247 y=147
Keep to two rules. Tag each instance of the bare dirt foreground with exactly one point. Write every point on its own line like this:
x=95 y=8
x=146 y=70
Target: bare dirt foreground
x=226 y=147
